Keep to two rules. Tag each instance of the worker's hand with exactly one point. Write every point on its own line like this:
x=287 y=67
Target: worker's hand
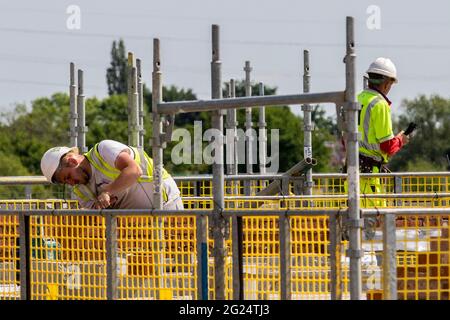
x=404 y=138
x=103 y=200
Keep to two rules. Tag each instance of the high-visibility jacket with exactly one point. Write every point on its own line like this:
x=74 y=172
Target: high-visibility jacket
x=375 y=124
x=111 y=173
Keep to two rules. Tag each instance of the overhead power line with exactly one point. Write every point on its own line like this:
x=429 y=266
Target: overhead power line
x=43 y=83
x=76 y=33
x=246 y=19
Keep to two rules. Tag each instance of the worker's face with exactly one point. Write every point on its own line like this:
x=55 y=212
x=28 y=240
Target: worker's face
x=387 y=85
x=70 y=172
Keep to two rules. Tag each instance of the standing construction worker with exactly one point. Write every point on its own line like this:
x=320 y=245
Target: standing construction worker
x=377 y=141
x=110 y=175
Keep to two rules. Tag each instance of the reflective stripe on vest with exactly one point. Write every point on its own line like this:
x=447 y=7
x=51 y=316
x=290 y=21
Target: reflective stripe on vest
x=83 y=192
x=141 y=158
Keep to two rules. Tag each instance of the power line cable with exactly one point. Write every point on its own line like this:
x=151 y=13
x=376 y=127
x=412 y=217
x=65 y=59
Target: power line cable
x=75 y=33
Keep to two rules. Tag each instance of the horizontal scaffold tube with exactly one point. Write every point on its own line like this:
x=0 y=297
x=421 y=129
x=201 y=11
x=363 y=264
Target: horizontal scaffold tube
x=407 y=211
x=146 y=212
x=408 y=196
x=245 y=102
x=25 y=180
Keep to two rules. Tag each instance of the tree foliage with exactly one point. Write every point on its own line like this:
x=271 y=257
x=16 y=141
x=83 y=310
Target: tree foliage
x=116 y=74
x=430 y=143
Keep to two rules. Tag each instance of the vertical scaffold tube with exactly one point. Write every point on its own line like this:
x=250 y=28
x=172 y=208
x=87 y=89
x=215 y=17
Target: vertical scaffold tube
x=82 y=129
x=219 y=224
x=248 y=120
x=135 y=132
x=157 y=151
x=73 y=108
x=307 y=123
x=231 y=133
x=354 y=215
x=140 y=87
x=262 y=136
x=157 y=154
x=133 y=107
x=237 y=238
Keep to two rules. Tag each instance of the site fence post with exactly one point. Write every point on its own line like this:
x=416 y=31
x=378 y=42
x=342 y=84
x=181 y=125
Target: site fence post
x=82 y=129
x=308 y=126
x=219 y=224
x=24 y=256
x=389 y=258
x=285 y=246
x=335 y=255
x=28 y=191
x=111 y=257
x=351 y=111
x=73 y=134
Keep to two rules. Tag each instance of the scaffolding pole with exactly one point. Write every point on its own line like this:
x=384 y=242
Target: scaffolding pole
x=219 y=222
x=73 y=134
x=157 y=154
x=140 y=90
x=231 y=133
x=82 y=128
x=175 y=107
x=308 y=126
x=248 y=122
x=262 y=137
x=133 y=103
x=355 y=222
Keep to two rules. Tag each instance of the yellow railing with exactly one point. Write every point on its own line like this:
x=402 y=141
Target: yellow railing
x=158 y=258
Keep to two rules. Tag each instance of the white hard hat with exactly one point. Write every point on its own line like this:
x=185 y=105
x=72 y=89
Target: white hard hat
x=385 y=67
x=50 y=160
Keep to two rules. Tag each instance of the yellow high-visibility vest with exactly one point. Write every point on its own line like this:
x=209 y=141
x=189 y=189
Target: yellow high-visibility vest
x=100 y=164
x=375 y=124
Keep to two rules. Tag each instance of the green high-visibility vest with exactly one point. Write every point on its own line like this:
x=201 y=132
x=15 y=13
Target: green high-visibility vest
x=375 y=124
x=100 y=164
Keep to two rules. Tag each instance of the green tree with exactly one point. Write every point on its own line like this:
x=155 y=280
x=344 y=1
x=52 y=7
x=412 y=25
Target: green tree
x=429 y=144
x=116 y=74
x=240 y=89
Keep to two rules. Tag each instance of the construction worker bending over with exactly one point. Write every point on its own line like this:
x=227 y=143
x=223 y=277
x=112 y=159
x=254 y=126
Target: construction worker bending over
x=110 y=175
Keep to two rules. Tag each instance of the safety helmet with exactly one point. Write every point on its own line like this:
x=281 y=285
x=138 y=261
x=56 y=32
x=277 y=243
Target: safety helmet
x=50 y=160
x=385 y=67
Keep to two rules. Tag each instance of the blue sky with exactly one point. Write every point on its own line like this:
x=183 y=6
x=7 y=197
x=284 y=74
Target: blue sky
x=37 y=46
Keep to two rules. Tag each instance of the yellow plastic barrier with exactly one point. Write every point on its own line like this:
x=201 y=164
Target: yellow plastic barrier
x=158 y=258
